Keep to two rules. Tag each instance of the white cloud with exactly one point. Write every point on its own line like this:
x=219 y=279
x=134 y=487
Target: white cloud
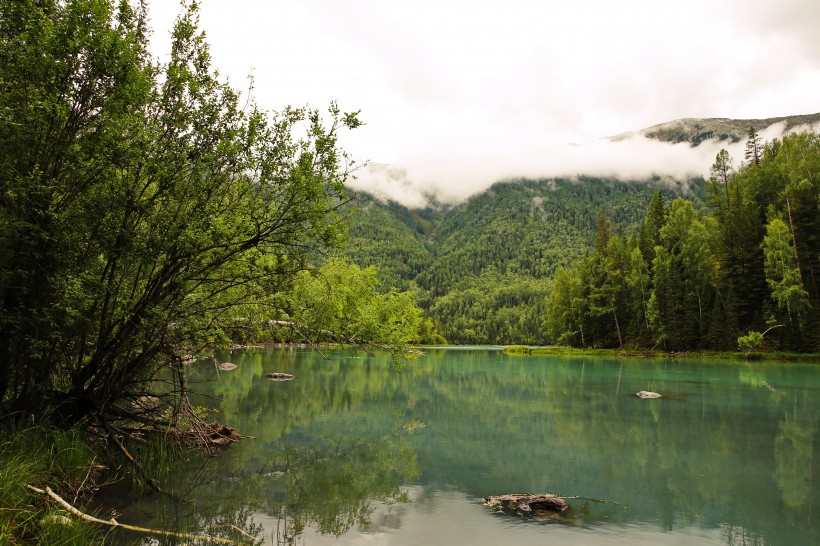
x=459 y=93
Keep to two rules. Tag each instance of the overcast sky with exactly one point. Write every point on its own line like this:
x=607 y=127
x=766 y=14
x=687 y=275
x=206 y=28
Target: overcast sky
x=458 y=94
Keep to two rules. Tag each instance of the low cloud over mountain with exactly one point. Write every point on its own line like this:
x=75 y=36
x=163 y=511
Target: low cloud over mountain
x=453 y=171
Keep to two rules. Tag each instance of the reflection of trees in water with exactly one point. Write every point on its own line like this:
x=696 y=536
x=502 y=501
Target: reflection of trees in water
x=334 y=483
x=331 y=485
x=711 y=453
x=732 y=535
x=793 y=453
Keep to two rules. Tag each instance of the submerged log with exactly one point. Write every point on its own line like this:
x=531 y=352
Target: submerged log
x=220 y=435
x=648 y=394
x=524 y=503
x=280 y=376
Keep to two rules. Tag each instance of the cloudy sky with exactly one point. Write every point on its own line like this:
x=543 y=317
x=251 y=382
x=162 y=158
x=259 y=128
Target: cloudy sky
x=458 y=94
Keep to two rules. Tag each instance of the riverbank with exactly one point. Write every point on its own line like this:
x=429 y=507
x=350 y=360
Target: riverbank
x=40 y=456
x=525 y=350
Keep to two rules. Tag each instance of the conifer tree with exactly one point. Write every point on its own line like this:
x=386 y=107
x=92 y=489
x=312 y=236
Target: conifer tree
x=753 y=148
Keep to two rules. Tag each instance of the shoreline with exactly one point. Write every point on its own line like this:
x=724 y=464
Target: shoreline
x=526 y=350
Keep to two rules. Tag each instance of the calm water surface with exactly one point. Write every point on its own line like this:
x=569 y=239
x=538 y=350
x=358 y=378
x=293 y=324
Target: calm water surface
x=353 y=452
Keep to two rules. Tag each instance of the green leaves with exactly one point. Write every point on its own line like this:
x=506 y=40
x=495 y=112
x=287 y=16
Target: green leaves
x=782 y=272
x=146 y=210
x=342 y=303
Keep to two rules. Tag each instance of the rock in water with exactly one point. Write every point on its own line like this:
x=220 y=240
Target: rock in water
x=525 y=503
x=279 y=376
x=647 y=394
x=227 y=366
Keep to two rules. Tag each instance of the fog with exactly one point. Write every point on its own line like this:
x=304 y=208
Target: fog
x=455 y=171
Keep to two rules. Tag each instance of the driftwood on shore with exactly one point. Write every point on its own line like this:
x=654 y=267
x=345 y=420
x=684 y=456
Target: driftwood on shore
x=524 y=503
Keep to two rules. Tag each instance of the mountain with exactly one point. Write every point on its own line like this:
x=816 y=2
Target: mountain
x=697 y=130
x=482 y=268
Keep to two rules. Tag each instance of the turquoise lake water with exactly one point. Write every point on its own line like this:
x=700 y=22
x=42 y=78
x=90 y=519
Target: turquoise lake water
x=354 y=452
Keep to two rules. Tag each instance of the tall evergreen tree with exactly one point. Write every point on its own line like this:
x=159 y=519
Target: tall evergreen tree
x=754 y=151
x=650 y=233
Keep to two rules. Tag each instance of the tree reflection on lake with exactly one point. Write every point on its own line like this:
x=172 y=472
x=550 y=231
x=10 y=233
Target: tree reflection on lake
x=726 y=457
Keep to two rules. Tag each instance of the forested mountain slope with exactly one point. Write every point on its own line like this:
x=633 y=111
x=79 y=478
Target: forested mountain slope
x=482 y=267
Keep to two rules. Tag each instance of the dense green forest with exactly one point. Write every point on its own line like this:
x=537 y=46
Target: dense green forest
x=481 y=268
x=743 y=270
x=605 y=263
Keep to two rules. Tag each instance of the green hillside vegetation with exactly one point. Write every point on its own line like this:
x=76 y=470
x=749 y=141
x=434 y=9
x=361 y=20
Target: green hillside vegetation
x=392 y=238
x=742 y=273
x=481 y=269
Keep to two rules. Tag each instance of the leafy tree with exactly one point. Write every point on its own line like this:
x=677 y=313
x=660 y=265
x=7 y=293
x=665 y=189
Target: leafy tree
x=750 y=342
x=782 y=272
x=650 y=233
x=564 y=309
x=639 y=286
x=719 y=179
x=146 y=211
x=682 y=270
x=342 y=303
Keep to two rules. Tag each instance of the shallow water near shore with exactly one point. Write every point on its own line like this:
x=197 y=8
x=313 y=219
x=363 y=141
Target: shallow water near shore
x=353 y=452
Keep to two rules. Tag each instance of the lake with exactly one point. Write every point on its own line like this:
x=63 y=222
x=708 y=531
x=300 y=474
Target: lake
x=354 y=452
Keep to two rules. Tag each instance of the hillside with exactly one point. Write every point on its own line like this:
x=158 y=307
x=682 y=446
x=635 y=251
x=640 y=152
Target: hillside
x=481 y=267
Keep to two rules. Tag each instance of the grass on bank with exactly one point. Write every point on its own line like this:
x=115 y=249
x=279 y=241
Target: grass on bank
x=525 y=350
x=41 y=456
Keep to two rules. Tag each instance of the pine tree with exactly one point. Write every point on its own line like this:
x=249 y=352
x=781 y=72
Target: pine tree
x=753 y=148
x=651 y=227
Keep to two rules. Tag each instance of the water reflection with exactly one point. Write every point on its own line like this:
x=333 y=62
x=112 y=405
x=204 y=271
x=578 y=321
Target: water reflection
x=725 y=458
x=332 y=484
x=335 y=483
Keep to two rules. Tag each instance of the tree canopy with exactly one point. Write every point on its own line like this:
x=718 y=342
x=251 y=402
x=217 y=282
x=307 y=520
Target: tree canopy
x=147 y=210
x=709 y=278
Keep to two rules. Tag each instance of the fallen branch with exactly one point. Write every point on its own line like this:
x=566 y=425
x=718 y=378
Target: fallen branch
x=114 y=523
x=152 y=483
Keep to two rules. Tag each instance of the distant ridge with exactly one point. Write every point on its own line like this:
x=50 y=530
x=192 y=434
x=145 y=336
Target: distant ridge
x=697 y=130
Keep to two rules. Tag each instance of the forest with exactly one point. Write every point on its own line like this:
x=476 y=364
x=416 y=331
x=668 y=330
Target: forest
x=740 y=272
x=660 y=264
x=481 y=269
